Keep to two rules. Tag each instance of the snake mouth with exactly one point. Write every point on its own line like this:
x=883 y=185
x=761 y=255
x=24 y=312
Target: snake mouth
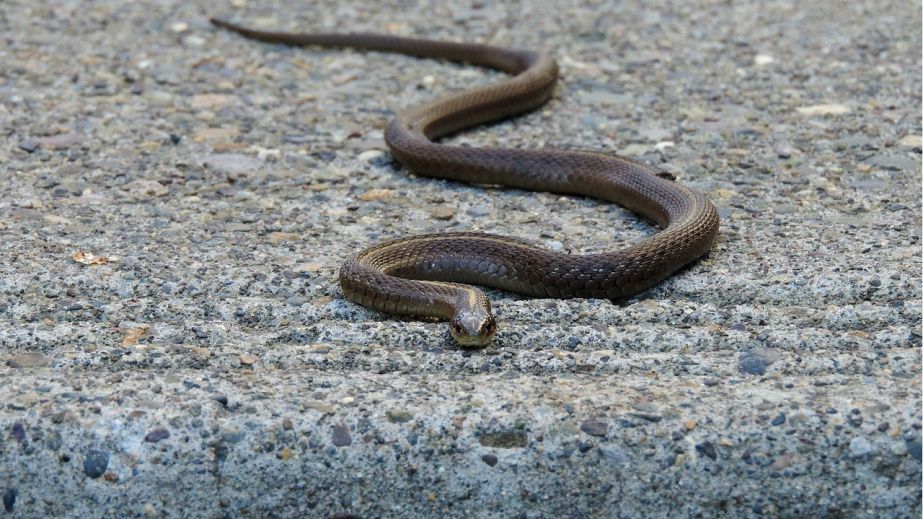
x=473 y=331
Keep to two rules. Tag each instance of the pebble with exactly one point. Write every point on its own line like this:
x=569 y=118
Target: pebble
x=757 y=360
x=511 y=439
x=859 y=446
x=370 y=155
x=594 y=427
x=399 y=416
x=54 y=142
x=18 y=431
x=915 y=449
x=157 y=434
x=95 y=463
x=28 y=360
x=9 y=500
x=341 y=437
x=442 y=213
x=824 y=109
x=707 y=448
x=231 y=164
x=489 y=459
x=779 y=420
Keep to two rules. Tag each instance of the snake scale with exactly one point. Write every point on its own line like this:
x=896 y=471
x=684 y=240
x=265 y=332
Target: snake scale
x=429 y=275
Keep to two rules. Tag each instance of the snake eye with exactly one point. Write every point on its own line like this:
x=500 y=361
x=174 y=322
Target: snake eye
x=490 y=326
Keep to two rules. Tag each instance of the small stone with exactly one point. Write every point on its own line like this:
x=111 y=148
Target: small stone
x=899 y=448
x=247 y=359
x=150 y=511
x=442 y=213
x=284 y=454
x=341 y=437
x=859 y=447
x=779 y=420
x=762 y=60
x=824 y=109
x=377 y=194
x=95 y=463
x=231 y=164
x=399 y=416
x=689 y=424
x=232 y=434
x=19 y=432
x=911 y=141
x=513 y=439
x=489 y=459
x=9 y=500
x=707 y=448
x=369 y=155
x=54 y=142
x=287 y=424
x=915 y=449
x=279 y=237
x=323 y=407
x=156 y=434
x=29 y=360
x=755 y=361
x=594 y=427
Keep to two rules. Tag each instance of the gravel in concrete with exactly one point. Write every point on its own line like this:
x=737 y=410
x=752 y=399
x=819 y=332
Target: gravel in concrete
x=175 y=202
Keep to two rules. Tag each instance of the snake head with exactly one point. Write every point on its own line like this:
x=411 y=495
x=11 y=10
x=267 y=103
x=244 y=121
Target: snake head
x=473 y=329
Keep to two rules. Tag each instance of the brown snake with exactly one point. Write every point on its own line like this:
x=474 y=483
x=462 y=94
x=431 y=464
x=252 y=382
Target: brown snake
x=422 y=275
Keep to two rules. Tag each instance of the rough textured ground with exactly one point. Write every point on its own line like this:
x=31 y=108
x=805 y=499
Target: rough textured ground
x=175 y=202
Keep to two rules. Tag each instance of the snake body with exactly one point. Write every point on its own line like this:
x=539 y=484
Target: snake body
x=428 y=275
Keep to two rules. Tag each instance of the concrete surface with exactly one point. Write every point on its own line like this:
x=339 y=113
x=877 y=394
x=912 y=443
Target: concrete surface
x=175 y=202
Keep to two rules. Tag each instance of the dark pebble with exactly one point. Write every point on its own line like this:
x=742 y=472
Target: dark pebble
x=29 y=145
x=594 y=427
x=221 y=399
x=157 y=434
x=708 y=449
x=751 y=363
x=9 y=499
x=489 y=459
x=341 y=436
x=221 y=452
x=779 y=420
x=504 y=439
x=915 y=449
x=95 y=463
x=883 y=426
x=19 y=432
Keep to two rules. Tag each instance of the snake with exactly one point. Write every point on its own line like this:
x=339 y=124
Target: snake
x=432 y=275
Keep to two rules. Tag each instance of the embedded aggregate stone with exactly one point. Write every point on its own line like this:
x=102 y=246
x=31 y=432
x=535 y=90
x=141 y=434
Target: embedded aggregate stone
x=176 y=201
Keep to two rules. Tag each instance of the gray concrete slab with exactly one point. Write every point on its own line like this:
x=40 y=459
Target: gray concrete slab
x=175 y=202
